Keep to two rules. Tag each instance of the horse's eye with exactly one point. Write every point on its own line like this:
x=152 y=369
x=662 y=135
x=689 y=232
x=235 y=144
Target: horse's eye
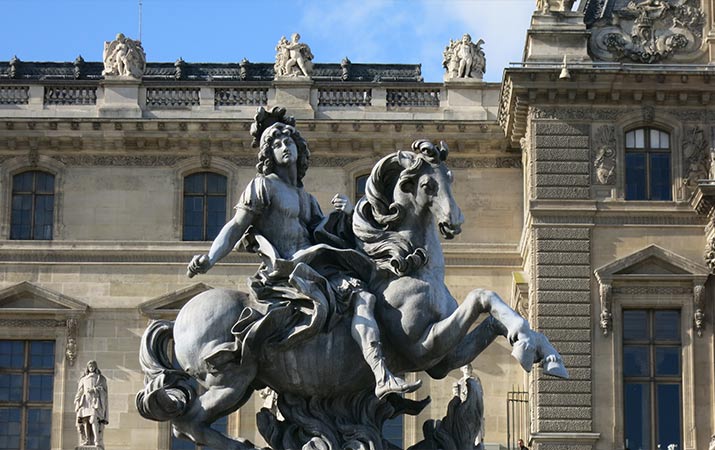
x=430 y=187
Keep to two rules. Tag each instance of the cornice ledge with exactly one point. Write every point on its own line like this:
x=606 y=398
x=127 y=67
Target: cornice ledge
x=565 y=438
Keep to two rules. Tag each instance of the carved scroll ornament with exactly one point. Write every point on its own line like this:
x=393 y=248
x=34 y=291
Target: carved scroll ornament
x=606 y=318
x=649 y=31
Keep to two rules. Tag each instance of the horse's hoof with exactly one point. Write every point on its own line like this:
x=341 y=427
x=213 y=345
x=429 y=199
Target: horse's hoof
x=525 y=353
x=555 y=367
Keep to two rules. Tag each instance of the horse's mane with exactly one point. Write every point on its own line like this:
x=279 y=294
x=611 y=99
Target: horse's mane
x=378 y=217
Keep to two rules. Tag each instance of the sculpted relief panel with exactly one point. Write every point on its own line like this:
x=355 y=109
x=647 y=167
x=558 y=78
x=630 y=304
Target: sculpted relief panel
x=649 y=31
x=604 y=157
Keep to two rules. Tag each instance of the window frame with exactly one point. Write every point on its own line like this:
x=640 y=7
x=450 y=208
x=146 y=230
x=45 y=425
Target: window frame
x=652 y=380
x=647 y=151
x=33 y=193
x=205 y=196
x=25 y=404
x=20 y=164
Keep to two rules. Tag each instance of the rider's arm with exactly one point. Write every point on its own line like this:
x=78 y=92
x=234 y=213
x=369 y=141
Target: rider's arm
x=229 y=235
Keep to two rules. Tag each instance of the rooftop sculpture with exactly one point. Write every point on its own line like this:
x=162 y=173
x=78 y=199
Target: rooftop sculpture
x=124 y=58
x=463 y=59
x=293 y=58
x=307 y=328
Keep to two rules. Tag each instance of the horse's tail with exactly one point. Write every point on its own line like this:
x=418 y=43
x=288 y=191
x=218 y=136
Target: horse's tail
x=168 y=390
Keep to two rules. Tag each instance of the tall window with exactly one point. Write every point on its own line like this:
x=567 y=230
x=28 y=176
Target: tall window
x=26 y=379
x=33 y=199
x=648 y=165
x=204 y=206
x=652 y=379
x=393 y=431
x=360 y=183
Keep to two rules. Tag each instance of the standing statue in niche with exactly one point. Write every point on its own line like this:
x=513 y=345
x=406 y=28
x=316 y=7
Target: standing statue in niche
x=90 y=404
x=293 y=58
x=464 y=59
x=306 y=328
x=123 y=57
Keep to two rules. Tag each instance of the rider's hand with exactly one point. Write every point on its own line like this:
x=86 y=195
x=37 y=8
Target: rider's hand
x=341 y=202
x=199 y=264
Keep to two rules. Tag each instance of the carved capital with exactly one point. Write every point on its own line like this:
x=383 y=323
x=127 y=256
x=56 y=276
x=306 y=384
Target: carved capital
x=606 y=318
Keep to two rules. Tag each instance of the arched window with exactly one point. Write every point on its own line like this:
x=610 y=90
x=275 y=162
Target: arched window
x=33 y=200
x=204 y=206
x=360 y=183
x=648 y=165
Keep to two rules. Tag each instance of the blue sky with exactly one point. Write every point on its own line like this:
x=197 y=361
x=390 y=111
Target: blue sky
x=384 y=31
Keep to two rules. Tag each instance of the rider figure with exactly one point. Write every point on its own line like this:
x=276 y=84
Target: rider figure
x=275 y=206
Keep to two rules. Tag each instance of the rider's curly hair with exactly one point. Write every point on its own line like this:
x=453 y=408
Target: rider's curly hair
x=266 y=162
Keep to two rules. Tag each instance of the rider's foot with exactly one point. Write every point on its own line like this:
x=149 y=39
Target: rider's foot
x=392 y=384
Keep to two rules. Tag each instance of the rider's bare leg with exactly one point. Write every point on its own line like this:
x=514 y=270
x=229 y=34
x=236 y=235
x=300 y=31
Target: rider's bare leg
x=367 y=334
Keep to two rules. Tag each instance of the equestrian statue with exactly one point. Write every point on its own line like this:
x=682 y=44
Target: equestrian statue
x=342 y=308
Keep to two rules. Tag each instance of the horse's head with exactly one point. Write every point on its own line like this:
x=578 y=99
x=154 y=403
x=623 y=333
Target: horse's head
x=417 y=182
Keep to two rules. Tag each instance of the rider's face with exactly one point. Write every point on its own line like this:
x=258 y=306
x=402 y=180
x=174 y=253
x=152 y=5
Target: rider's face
x=285 y=152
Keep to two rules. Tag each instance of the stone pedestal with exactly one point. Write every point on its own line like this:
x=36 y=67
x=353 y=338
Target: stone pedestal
x=89 y=447
x=121 y=98
x=461 y=95
x=295 y=94
x=554 y=35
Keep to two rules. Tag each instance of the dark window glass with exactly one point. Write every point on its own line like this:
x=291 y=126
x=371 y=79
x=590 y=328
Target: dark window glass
x=10 y=425
x=635 y=176
x=648 y=165
x=668 y=415
x=635 y=325
x=33 y=202
x=360 y=183
x=667 y=361
x=39 y=425
x=636 y=361
x=26 y=391
x=392 y=430
x=652 y=377
x=637 y=407
x=667 y=326
x=12 y=354
x=204 y=206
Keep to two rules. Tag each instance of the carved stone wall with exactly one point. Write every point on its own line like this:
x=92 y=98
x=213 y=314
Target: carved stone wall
x=561 y=276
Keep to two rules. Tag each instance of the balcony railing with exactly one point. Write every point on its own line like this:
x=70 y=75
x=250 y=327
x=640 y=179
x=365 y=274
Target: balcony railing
x=172 y=98
x=70 y=95
x=235 y=96
x=14 y=95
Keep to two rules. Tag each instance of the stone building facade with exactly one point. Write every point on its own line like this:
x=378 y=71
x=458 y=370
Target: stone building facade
x=582 y=176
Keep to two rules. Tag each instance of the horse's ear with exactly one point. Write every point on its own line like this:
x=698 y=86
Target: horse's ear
x=406 y=159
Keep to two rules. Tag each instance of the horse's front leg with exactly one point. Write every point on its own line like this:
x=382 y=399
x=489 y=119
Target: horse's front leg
x=529 y=346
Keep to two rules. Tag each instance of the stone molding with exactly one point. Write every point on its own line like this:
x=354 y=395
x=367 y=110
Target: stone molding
x=92 y=252
x=58 y=311
x=632 y=281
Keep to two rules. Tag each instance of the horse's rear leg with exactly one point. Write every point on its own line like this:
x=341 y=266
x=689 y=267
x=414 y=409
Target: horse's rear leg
x=219 y=400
